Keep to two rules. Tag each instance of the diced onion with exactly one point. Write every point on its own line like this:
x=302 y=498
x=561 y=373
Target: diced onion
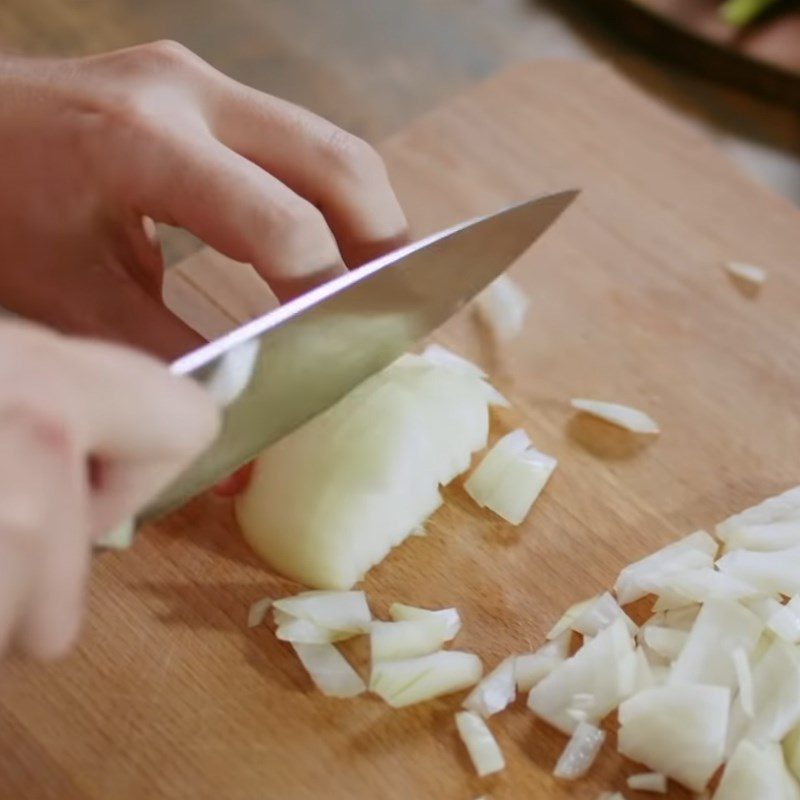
x=747 y=272
x=329 y=670
x=773 y=524
x=337 y=611
x=413 y=680
x=757 y=772
x=677 y=730
x=568 y=618
x=495 y=691
x=791 y=751
x=257 y=612
x=773 y=572
x=622 y=416
x=648 y=782
x=699 y=585
x=390 y=641
x=449 y=616
x=744 y=679
x=667 y=642
x=530 y=668
x=502 y=307
x=481 y=745
x=599 y=614
x=304 y=631
x=510 y=477
x=785 y=621
x=580 y=752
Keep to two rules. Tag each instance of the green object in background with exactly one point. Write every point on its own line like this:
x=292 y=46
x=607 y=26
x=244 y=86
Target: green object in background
x=742 y=12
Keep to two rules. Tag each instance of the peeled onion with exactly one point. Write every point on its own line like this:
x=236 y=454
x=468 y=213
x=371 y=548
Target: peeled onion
x=481 y=745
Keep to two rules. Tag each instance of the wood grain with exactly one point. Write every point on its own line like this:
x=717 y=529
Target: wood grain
x=170 y=696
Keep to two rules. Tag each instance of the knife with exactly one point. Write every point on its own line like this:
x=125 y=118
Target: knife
x=276 y=372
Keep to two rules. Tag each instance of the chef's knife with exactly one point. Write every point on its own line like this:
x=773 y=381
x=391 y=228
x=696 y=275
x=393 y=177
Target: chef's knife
x=276 y=372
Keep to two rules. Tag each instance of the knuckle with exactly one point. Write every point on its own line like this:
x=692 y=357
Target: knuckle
x=301 y=236
x=167 y=52
x=352 y=157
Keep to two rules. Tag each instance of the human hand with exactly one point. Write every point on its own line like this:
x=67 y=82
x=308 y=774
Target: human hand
x=89 y=432
x=93 y=149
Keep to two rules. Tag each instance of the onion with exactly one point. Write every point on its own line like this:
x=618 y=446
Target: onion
x=257 y=612
x=337 y=611
x=567 y=620
x=611 y=796
x=390 y=641
x=698 y=585
x=329 y=670
x=746 y=272
x=785 y=621
x=449 y=617
x=530 y=668
x=772 y=572
x=495 y=691
x=667 y=642
x=757 y=773
x=580 y=753
x=303 y=631
x=721 y=627
x=773 y=524
x=622 y=416
x=791 y=751
x=510 y=477
x=413 y=680
x=121 y=538
x=599 y=614
x=594 y=669
x=762 y=607
x=502 y=307
x=233 y=372
x=744 y=679
x=437 y=354
x=650 y=573
x=328 y=501
x=648 y=782
x=677 y=730
x=481 y=745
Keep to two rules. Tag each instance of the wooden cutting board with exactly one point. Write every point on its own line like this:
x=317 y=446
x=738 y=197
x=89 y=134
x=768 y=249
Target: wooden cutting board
x=171 y=696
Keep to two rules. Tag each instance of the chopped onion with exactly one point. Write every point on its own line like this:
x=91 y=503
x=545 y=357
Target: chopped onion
x=791 y=751
x=699 y=585
x=449 y=616
x=257 y=612
x=437 y=354
x=568 y=618
x=580 y=753
x=495 y=691
x=650 y=573
x=623 y=416
x=757 y=772
x=773 y=524
x=481 y=745
x=329 y=670
x=744 y=679
x=391 y=641
x=721 y=626
x=530 y=668
x=510 y=477
x=304 y=631
x=599 y=614
x=337 y=611
x=785 y=621
x=648 y=782
x=762 y=607
x=677 y=730
x=773 y=572
x=413 y=680
x=746 y=272
x=594 y=669
x=667 y=642
x=331 y=499
x=121 y=538
x=502 y=307
x=233 y=372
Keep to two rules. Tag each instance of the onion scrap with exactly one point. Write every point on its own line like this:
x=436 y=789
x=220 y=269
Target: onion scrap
x=481 y=745
x=622 y=416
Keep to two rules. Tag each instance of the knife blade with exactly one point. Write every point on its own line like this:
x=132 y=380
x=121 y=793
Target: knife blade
x=276 y=372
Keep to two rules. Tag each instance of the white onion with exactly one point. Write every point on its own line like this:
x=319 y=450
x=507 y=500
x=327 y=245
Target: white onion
x=650 y=573
x=773 y=524
x=762 y=607
x=744 y=680
x=747 y=272
x=413 y=680
x=233 y=372
x=667 y=642
x=257 y=612
x=481 y=745
x=306 y=632
x=568 y=618
x=773 y=572
x=699 y=585
x=677 y=730
x=495 y=691
x=391 y=641
x=599 y=614
x=510 y=477
x=449 y=616
x=530 y=668
x=622 y=416
x=648 y=782
x=594 y=669
x=331 y=499
x=336 y=611
x=121 y=538
x=791 y=751
x=329 y=670
x=502 y=307
x=757 y=773
x=580 y=753
x=785 y=621
x=720 y=627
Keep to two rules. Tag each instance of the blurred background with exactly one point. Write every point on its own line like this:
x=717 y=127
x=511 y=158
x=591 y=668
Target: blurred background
x=371 y=66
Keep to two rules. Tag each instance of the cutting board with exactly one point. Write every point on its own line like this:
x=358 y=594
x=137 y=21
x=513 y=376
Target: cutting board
x=171 y=696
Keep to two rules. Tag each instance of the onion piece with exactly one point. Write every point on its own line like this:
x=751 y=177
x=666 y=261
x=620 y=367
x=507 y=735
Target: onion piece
x=580 y=753
x=437 y=354
x=594 y=669
x=648 y=782
x=677 y=730
x=233 y=372
x=329 y=670
x=773 y=524
x=481 y=745
x=510 y=477
x=744 y=679
x=773 y=572
x=121 y=538
x=785 y=621
x=762 y=607
x=495 y=691
x=699 y=585
x=337 y=611
x=721 y=626
x=757 y=773
x=791 y=751
x=622 y=416
x=391 y=641
x=568 y=618
x=400 y=612
x=502 y=307
x=599 y=614
x=303 y=631
x=530 y=668
x=667 y=642
x=650 y=573
x=413 y=680
x=747 y=272
x=257 y=612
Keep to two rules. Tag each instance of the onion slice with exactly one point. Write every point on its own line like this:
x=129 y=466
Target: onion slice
x=303 y=631
x=502 y=307
x=530 y=668
x=449 y=616
x=744 y=679
x=648 y=782
x=495 y=691
x=336 y=611
x=622 y=416
x=580 y=753
x=481 y=745
x=390 y=641
x=773 y=524
x=757 y=773
x=258 y=611
x=750 y=273
x=599 y=614
x=329 y=670
x=666 y=642
x=773 y=572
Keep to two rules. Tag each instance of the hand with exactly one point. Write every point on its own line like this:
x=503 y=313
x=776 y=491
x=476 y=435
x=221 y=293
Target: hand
x=66 y=404
x=93 y=149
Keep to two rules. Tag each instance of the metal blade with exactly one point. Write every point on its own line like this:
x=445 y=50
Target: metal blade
x=299 y=359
